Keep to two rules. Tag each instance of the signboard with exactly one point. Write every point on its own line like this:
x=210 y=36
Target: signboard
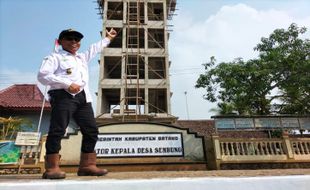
x=225 y=123
x=9 y=153
x=139 y=144
x=27 y=138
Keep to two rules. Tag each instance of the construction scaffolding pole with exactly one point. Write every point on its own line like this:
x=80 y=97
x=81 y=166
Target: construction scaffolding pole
x=132 y=59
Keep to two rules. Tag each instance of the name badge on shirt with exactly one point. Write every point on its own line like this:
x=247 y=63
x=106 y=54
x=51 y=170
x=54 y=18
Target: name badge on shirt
x=69 y=71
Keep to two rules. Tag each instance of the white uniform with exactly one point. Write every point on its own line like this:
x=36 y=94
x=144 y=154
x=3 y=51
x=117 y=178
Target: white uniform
x=59 y=70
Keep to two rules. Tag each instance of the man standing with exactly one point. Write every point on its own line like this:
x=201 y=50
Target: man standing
x=66 y=72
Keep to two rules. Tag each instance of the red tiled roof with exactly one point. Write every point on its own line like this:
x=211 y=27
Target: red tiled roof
x=22 y=97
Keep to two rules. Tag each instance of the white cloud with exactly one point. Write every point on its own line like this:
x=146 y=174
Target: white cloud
x=232 y=32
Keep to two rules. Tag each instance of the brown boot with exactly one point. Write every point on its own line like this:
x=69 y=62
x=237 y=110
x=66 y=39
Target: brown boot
x=88 y=166
x=52 y=170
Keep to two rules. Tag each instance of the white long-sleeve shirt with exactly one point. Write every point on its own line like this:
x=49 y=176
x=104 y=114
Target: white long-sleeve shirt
x=60 y=69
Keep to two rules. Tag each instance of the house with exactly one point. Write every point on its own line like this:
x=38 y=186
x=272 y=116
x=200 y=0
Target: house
x=25 y=101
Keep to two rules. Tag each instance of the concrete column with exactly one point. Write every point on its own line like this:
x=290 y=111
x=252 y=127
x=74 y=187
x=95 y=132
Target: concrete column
x=146 y=19
x=287 y=146
x=168 y=84
x=165 y=28
x=146 y=59
x=215 y=161
x=105 y=16
x=124 y=12
x=122 y=86
x=99 y=105
x=166 y=58
x=99 y=101
x=124 y=36
x=146 y=89
x=124 y=28
x=146 y=39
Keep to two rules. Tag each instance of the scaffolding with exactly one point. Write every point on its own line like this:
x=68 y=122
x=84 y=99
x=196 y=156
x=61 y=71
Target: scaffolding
x=140 y=69
x=132 y=59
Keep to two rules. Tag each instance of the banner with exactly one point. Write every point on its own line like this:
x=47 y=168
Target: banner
x=9 y=153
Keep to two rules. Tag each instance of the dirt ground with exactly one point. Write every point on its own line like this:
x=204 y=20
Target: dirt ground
x=172 y=174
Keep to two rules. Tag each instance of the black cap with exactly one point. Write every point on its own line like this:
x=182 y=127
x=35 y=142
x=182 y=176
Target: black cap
x=70 y=32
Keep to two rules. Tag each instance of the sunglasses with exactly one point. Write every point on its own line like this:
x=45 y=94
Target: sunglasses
x=71 y=38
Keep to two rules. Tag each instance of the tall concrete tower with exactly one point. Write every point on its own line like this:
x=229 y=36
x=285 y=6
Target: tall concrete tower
x=134 y=80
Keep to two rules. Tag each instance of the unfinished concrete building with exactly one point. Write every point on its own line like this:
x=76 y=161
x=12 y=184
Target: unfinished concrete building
x=134 y=70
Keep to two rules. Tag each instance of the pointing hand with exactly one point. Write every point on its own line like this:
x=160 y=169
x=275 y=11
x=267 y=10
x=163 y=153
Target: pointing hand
x=111 y=34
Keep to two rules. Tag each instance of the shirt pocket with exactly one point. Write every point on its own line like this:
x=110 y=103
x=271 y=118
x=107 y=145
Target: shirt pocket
x=67 y=68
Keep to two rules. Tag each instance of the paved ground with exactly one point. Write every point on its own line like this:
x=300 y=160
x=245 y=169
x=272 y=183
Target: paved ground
x=172 y=174
x=276 y=179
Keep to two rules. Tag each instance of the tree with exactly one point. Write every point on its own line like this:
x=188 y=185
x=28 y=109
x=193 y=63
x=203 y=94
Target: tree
x=10 y=126
x=283 y=65
x=288 y=56
x=223 y=109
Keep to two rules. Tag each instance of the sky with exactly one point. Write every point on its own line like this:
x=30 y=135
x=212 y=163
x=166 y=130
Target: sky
x=226 y=29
